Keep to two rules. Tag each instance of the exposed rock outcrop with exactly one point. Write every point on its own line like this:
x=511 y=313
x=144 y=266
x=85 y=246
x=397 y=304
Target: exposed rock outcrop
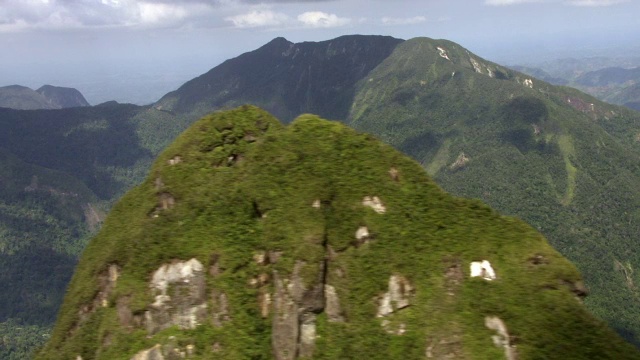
x=179 y=290
x=169 y=351
x=154 y=353
x=106 y=283
x=502 y=338
x=332 y=304
x=286 y=325
x=461 y=161
x=397 y=298
x=175 y=160
x=482 y=269
x=374 y=203
x=362 y=235
x=394 y=300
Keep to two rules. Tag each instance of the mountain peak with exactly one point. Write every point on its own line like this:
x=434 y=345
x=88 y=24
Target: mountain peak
x=314 y=241
x=315 y=77
x=63 y=97
x=278 y=41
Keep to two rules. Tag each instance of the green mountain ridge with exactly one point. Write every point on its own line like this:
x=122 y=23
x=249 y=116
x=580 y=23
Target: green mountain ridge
x=63 y=97
x=613 y=84
x=23 y=98
x=60 y=170
x=562 y=161
x=253 y=240
x=286 y=78
x=46 y=97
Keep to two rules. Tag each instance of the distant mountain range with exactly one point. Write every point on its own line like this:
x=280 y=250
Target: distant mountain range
x=46 y=97
x=613 y=84
x=561 y=160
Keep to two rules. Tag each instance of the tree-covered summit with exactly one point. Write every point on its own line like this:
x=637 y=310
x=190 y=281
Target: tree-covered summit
x=253 y=240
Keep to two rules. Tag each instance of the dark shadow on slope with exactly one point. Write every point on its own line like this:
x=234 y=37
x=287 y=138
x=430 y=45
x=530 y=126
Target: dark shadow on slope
x=84 y=142
x=35 y=280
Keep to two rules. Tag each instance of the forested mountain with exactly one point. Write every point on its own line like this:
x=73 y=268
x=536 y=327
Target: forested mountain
x=613 y=84
x=250 y=240
x=47 y=97
x=561 y=160
x=22 y=98
x=285 y=78
x=63 y=97
x=59 y=172
x=540 y=74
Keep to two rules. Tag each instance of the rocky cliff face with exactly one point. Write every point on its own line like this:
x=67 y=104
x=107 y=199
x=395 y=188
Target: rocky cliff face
x=314 y=241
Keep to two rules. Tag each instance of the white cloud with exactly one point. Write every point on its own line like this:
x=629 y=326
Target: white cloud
x=258 y=18
x=153 y=13
x=594 y=3
x=24 y=15
x=319 y=19
x=403 y=21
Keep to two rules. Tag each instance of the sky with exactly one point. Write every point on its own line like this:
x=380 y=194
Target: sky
x=136 y=51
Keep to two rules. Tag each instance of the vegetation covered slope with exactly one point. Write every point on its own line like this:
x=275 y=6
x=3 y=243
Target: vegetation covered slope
x=286 y=78
x=46 y=97
x=251 y=240
x=613 y=84
x=23 y=98
x=59 y=172
x=561 y=160
x=62 y=97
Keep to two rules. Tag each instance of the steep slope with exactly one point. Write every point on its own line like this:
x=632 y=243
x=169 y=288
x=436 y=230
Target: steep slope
x=62 y=97
x=561 y=160
x=286 y=78
x=23 y=98
x=46 y=218
x=59 y=172
x=250 y=240
x=91 y=143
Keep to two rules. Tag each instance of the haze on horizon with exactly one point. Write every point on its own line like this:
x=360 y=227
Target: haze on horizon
x=136 y=51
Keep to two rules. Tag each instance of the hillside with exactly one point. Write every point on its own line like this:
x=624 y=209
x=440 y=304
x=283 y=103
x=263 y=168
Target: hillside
x=59 y=172
x=62 y=97
x=563 y=161
x=608 y=76
x=23 y=98
x=251 y=240
x=46 y=97
x=286 y=78
x=525 y=138
x=613 y=84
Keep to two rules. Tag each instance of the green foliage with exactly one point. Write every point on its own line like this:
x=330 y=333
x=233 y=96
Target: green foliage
x=245 y=184
x=17 y=341
x=285 y=78
x=59 y=172
x=24 y=98
x=561 y=160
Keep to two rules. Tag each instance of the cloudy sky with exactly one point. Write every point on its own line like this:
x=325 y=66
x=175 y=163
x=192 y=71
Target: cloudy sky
x=136 y=51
